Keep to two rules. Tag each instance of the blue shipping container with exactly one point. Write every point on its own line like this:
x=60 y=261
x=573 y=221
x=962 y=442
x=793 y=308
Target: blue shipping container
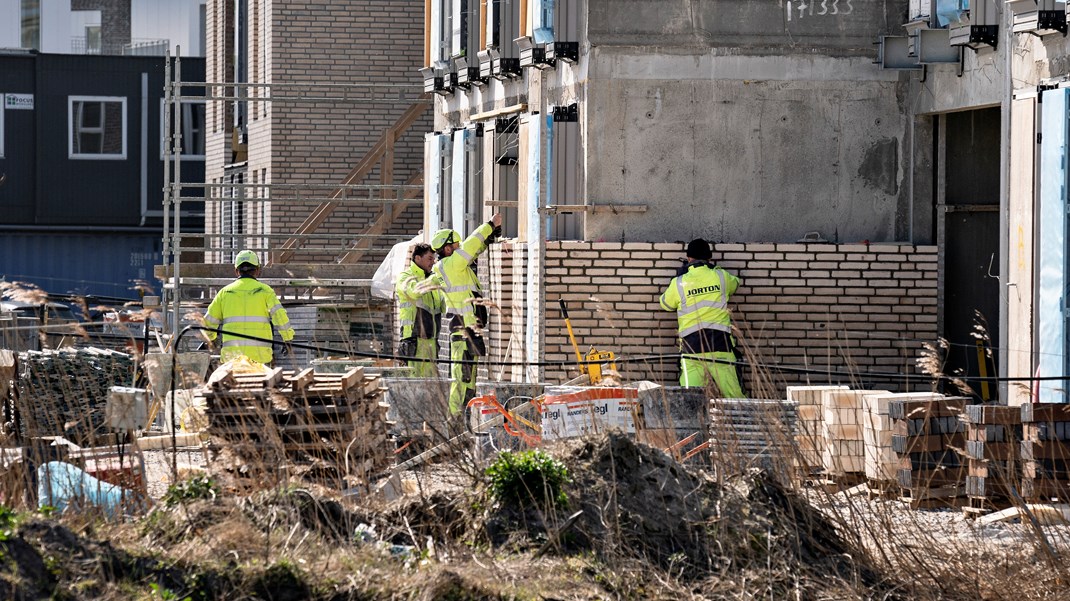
x=104 y=264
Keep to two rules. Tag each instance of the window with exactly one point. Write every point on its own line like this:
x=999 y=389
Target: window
x=2 y=111
x=232 y=215
x=503 y=25
x=97 y=126
x=193 y=115
x=31 y=24
x=92 y=39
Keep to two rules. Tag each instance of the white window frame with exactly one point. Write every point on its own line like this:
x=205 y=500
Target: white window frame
x=186 y=133
x=71 y=100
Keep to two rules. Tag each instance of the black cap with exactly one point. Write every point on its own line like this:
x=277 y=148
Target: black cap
x=699 y=249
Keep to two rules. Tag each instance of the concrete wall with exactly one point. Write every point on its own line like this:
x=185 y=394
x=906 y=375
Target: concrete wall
x=819 y=306
x=723 y=116
x=730 y=159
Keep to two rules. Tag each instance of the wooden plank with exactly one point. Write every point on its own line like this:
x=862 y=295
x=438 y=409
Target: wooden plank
x=305 y=271
x=302 y=379
x=352 y=377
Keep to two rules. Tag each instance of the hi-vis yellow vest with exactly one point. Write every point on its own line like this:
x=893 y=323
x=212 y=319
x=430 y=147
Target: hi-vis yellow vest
x=457 y=278
x=247 y=306
x=700 y=299
x=418 y=313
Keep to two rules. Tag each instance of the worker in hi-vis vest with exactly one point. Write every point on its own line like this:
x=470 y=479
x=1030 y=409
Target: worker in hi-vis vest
x=420 y=314
x=456 y=276
x=246 y=306
x=699 y=296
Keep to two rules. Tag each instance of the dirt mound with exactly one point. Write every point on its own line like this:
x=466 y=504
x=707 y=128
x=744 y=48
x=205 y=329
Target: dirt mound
x=638 y=504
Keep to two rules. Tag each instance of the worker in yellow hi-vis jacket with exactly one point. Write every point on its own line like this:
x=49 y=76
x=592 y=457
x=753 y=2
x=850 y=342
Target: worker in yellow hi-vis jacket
x=455 y=275
x=699 y=296
x=249 y=307
x=420 y=314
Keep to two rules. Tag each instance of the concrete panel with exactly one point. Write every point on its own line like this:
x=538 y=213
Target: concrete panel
x=728 y=160
x=1020 y=261
x=840 y=26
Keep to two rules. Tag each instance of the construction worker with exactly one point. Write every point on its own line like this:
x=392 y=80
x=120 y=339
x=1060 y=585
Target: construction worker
x=249 y=307
x=454 y=273
x=420 y=314
x=699 y=296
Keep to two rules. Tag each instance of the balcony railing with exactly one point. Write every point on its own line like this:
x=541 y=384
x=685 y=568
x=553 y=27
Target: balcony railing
x=135 y=47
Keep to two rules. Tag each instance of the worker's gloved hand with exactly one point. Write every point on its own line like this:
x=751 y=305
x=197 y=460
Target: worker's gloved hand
x=494 y=235
x=286 y=351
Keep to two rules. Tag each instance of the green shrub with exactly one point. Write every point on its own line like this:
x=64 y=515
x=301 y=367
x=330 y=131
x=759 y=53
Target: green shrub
x=197 y=487
x=529 y=476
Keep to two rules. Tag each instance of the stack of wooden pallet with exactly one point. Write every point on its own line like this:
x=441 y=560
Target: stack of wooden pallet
x=881 y=461
x=301 y=417
x=810 y=431
x=993 y=439
x=927 y=437
x=1045 y=451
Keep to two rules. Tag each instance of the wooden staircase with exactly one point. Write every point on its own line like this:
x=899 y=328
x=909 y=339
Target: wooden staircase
x=381 y=154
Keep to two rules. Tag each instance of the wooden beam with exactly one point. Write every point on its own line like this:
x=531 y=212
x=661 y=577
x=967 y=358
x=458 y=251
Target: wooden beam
x=389 y=215
x=509 y=110
x=323 y=271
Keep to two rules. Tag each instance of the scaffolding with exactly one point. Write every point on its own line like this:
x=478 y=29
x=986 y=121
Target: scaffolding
x=338 y=266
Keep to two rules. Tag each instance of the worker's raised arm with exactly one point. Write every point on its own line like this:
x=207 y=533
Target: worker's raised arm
x=477 y=243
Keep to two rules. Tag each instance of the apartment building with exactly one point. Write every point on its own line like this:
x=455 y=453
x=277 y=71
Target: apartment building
x=311 y=89
x=850 y=160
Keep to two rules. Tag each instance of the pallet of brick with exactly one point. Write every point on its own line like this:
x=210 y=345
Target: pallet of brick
x=881 y=462
x=844 y=453
x=1045 y=451
x=993 y=442
x=302 y=417
x=809 y=434
x=927 y=437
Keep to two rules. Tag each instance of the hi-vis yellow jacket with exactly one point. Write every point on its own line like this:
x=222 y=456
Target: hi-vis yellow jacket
x=248 y=307
x=418 y=313
x=457 y=278
x=700 y=299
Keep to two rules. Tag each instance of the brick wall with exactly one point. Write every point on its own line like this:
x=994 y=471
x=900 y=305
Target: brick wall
x=852 y=308
x=319 y=142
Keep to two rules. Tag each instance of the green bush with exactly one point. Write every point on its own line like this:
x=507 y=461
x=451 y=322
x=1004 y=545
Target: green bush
x=529 y=476
x=197 y=487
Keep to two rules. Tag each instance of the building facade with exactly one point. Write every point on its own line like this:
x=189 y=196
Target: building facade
x=81 y=169
x=795 y=135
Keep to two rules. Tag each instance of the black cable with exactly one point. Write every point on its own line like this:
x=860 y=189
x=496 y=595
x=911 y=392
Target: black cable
x=661 y=358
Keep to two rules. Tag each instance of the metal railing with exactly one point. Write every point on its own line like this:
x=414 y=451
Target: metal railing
x=135 y=47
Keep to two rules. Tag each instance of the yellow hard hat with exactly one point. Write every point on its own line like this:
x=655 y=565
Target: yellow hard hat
x=246 y=256
x=444 y=237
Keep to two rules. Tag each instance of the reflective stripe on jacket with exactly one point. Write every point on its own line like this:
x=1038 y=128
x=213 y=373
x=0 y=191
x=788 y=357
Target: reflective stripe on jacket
x=457 y=278
x=247 y=306
x=700 y=299
x=419 y=314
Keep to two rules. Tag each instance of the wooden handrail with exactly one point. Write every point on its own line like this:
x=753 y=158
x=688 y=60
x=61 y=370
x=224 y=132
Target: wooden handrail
x=383 y=147
x=386 y=218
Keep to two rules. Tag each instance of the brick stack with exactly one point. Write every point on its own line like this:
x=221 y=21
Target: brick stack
x=844 y=453
x=815 y=294
x=281 y=416
x=1045 y=451
x=881 y=460
x=810 y=432
x=927 y=436
x=993 y=440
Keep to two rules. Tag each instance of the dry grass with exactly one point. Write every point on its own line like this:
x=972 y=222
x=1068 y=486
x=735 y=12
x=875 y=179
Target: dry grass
x=727 y=526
